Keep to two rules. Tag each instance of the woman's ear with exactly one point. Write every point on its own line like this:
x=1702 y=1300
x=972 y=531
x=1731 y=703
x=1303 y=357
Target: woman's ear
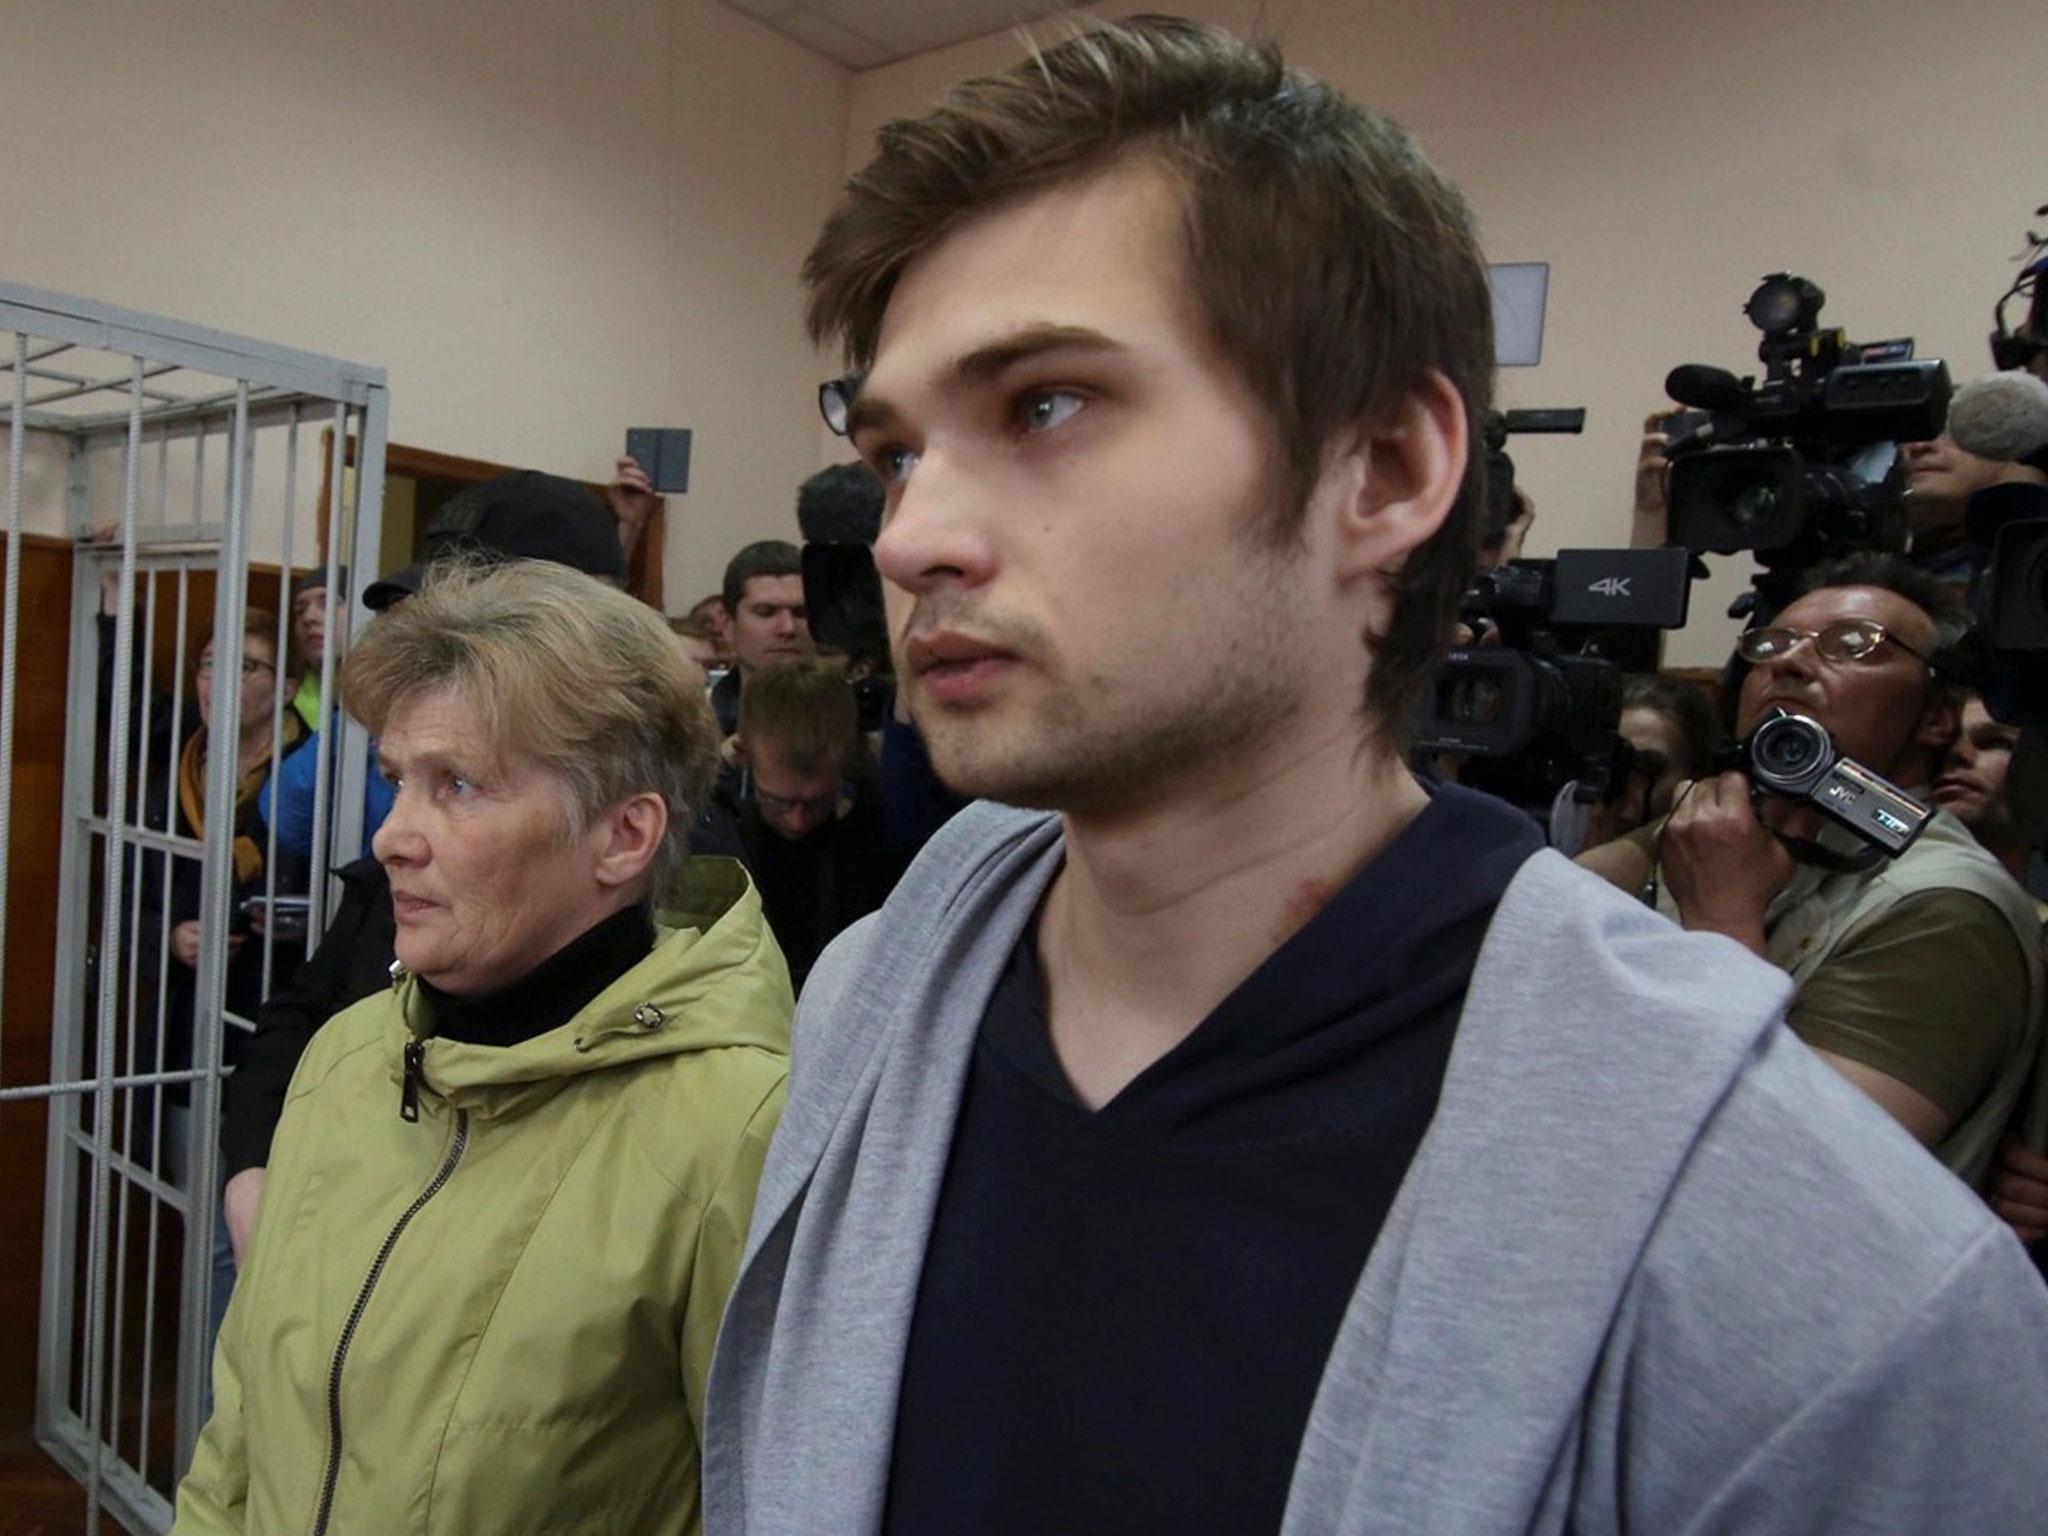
x=632 y=835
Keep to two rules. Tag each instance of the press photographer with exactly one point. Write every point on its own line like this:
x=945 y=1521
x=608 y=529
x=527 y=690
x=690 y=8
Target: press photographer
x=1918 y=975
x=1996 y=436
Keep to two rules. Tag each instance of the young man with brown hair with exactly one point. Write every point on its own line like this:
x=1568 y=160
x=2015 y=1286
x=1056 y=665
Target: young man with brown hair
x=1263 y=1141
x=808 y=824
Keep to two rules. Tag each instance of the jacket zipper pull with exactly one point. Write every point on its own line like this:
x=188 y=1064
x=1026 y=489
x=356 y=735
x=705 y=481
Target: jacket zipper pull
x=409 y=1094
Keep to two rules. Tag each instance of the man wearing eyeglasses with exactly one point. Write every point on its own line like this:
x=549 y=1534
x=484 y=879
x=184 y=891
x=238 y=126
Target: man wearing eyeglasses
x=808 y=824
x=1919 y=977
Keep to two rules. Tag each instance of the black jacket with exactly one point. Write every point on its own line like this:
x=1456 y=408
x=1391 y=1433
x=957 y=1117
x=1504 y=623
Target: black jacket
x=168 y=900
x=813 y=889
x=353 y=961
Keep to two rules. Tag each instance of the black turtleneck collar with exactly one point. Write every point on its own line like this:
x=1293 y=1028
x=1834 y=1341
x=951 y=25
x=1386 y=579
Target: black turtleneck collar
x=550 y=994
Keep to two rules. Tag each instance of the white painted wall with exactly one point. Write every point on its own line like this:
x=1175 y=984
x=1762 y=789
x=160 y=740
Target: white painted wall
x=1663 y=156
x=548 y=221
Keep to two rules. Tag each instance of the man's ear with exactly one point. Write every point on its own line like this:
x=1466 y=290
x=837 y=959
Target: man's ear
x=1941 y=721
x=1396 y=483
x=631 y=836
x=736 y=750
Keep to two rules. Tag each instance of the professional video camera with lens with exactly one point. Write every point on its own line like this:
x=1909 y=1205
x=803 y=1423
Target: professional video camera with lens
x=2011 y=521
x=2004 y=417
x=1541 y=708
x=1534 y=704
x=1804 y=465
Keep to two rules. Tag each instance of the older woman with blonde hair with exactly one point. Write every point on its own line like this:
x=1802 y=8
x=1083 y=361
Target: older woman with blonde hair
x=507 y=1198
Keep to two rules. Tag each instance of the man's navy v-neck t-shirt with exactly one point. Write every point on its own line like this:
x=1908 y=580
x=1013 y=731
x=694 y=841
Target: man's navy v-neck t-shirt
x=1123 y=1314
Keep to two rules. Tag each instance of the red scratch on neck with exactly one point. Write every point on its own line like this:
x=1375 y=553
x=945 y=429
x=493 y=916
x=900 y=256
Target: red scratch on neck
x=1309 y=898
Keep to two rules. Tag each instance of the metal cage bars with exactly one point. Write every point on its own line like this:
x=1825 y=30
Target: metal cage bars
x=107 y=858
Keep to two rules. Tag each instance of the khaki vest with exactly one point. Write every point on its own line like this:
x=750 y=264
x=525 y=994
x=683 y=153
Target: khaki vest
x=1813 y=915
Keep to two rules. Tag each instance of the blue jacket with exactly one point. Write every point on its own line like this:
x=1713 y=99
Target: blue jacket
x=293 y=786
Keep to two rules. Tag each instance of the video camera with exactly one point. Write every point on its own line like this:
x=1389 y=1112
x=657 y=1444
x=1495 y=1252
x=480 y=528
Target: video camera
x=1496 y=427
x=2006 y=651
x=1803 y=466
x=2012 y=597
x=2010 y=640
x=1542 y=707
x=2003 y=420
x=1794 y=757
x=2008 y=644
x=2017 y=348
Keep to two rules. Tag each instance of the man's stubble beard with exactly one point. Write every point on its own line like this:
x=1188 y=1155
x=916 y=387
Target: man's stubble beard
x=1103 y=745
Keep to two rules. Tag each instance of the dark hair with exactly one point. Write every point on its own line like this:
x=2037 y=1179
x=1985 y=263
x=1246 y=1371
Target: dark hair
x=806 y=708
x=1950 y=673
x=840 y=505
x=1686 y=706
x=763 y=557
x=1942 y=601
x=261 y=624
x=1334 y=265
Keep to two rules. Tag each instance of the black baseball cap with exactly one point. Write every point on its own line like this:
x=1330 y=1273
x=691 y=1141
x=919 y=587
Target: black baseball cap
x=315 y=580
x=526 y=515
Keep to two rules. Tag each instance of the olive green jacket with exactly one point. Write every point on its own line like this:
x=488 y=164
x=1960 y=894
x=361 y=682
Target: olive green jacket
x=498 y=1317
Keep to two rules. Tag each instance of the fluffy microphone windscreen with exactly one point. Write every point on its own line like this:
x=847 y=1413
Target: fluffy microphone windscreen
x=2003 y=416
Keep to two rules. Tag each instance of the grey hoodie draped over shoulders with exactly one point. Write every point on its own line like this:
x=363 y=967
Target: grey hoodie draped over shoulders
x=1655 y=1267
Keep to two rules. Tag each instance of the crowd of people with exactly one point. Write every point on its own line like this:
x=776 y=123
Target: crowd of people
x=1121 y=1088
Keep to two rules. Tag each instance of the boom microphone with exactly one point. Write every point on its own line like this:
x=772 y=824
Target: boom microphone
x=2003 y=417
x=1705 y=388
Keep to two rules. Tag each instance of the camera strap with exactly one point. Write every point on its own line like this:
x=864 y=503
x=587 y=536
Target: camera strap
x=1805 y=850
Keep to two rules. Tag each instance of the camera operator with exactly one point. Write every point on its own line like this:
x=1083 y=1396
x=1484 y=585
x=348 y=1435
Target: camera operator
x=1876 y=950
x=1669 y=726
x=1649 y=522
x=1941 y=477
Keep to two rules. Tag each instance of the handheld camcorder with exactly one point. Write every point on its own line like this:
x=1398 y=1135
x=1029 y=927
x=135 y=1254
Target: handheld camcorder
x=1542 y=707
x=1793 y=756
x=1804 y=465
